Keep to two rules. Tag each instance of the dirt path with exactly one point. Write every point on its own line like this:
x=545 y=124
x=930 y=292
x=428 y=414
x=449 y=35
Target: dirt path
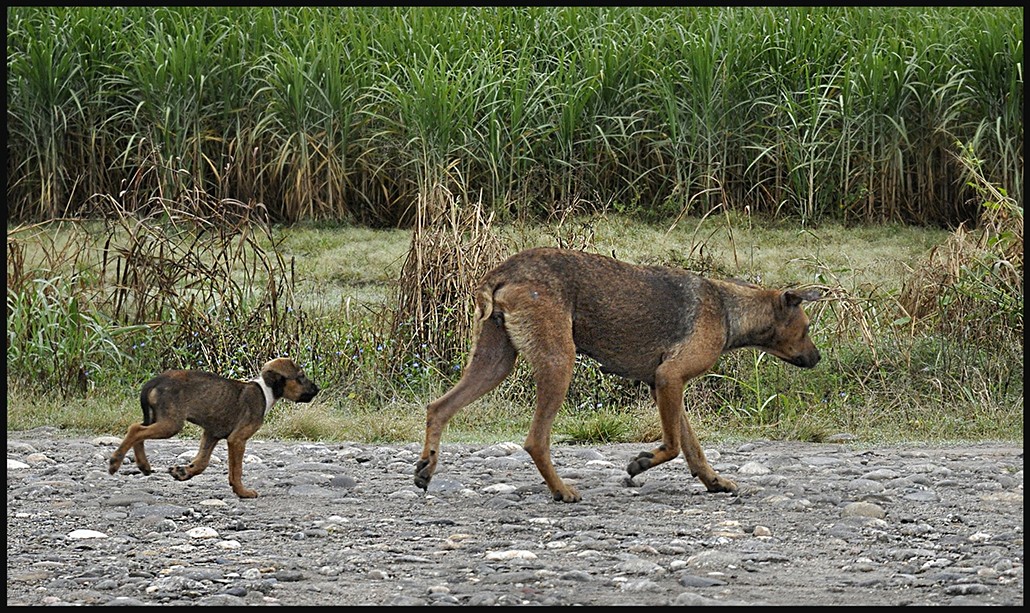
x=344 y=524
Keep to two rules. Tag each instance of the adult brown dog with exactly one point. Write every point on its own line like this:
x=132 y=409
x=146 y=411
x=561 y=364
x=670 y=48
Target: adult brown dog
x=659 y=325
x=224 y=408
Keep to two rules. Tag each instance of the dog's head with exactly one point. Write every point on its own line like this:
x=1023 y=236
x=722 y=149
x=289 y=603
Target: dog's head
x=791 y=342
x=287 y=380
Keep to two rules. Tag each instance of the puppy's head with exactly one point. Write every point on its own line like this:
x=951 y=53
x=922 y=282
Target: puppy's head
x=287 y=380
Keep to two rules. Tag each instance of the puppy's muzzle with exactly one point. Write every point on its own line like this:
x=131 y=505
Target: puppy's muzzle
x=308 y=393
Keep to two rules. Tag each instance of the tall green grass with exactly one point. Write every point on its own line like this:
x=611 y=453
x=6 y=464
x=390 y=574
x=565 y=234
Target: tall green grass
x=57 y=340
x=343 y=113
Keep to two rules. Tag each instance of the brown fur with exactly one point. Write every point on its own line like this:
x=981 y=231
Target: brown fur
x=659 y=325
x=224 y=408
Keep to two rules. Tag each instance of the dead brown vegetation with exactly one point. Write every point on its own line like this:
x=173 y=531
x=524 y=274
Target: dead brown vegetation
x=452 y=246
x=973 y=268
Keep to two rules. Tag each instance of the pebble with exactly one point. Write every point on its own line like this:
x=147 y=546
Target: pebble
x=863 y=509
x=831 y=524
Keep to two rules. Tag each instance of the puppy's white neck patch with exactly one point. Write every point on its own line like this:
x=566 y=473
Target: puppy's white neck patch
x=269 y=396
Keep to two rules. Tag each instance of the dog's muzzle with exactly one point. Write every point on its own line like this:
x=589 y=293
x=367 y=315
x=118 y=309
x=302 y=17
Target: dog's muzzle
x=807 y=360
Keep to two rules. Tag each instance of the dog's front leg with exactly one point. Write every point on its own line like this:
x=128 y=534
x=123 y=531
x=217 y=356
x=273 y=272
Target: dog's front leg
x=668 y=394
x=698 y=463
x=199 y=462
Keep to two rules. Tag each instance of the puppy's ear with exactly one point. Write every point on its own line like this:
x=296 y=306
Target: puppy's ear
x=275 y=381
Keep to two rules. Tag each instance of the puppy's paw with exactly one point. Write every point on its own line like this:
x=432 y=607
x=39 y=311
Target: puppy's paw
x=113 y=465
x=243 y=492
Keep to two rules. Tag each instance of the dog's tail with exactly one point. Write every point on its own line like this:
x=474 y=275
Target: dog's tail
x=484 y=307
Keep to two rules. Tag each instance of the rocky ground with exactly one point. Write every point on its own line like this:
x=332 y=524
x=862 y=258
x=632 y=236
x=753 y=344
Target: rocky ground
x=342 y=523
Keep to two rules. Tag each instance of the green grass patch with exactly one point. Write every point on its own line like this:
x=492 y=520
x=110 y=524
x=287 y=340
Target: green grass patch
x=955 y=375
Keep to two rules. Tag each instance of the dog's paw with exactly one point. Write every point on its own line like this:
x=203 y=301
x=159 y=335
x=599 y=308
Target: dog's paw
x=113 y=465
x=568 y=495
x=722 y=484
x=641 y=463
x=422 y=474
x=179 y=472
x=245 y=493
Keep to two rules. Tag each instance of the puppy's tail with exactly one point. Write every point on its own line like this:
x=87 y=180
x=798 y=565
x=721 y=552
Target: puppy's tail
x=144 y=402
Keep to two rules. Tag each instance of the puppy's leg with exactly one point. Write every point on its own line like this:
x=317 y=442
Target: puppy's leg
x=142 y=463
x=134 y=439
x=699 y=466
x=199 y=461
x=493 y=358
x=237 y=442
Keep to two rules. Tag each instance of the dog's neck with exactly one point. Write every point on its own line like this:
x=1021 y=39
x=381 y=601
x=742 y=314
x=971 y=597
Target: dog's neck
x=269 y=396
x=741 y=304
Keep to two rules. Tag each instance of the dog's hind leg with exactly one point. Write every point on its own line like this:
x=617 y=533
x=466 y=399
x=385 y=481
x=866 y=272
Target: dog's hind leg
x=134 y=440
x=541 y=331
x=140 y=454
x=552 y=373
x=699 y=466
x=493 y=358
x=199 y=461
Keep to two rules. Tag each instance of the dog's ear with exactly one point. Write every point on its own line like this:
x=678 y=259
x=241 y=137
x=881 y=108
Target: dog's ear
x=792 y=298
x=275 y=381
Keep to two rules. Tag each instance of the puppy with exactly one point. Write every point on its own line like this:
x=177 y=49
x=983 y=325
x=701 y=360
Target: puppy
x=224 y=408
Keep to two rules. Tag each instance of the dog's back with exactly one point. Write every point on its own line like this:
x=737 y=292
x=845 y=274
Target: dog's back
x=156 y=391
x=624 y=316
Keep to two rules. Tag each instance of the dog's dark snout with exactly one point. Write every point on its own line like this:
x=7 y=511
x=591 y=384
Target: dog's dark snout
x=808 y=360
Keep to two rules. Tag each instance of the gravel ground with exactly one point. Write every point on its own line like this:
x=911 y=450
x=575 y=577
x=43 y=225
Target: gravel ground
x=343 y=523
